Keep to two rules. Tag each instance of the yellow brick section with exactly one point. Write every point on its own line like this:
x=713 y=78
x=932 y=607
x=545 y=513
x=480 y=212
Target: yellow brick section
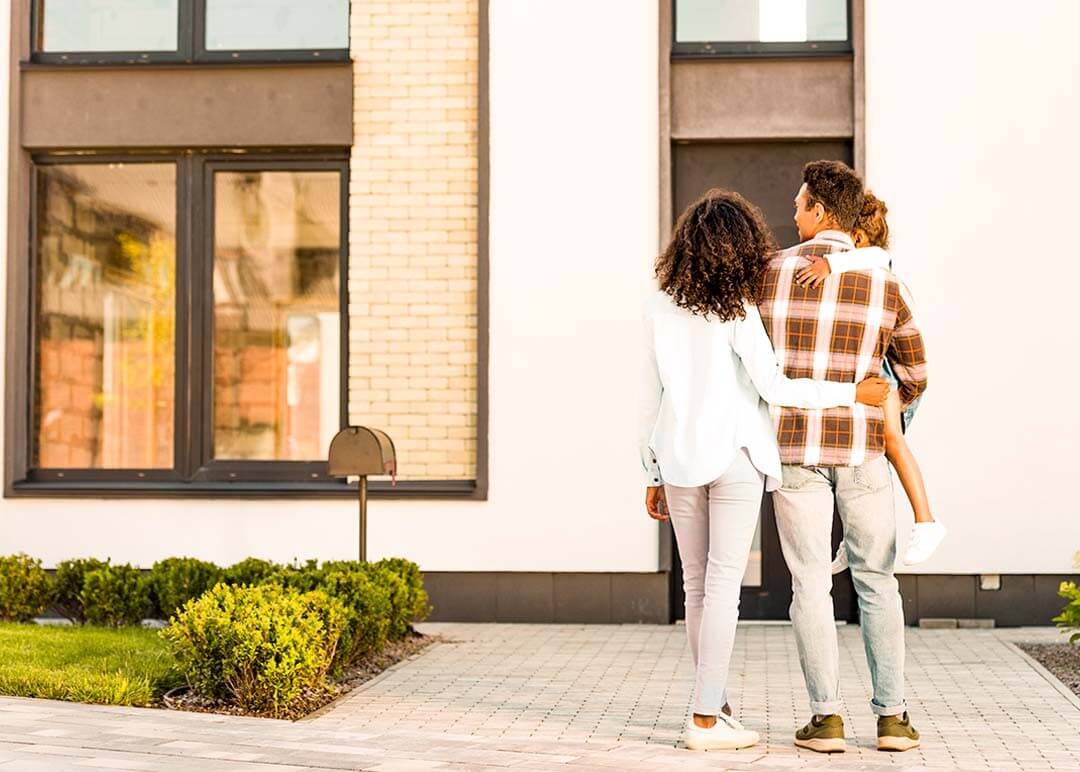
x=413 y=231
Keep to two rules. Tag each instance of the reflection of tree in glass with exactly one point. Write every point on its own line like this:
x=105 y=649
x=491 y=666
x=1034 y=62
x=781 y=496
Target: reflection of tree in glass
x=105 y=309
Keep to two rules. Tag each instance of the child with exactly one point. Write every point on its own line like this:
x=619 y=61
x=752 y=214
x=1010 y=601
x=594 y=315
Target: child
x=871 y=237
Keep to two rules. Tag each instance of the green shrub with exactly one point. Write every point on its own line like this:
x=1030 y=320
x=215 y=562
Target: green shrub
x=260 y=648
x=367 y=612
x=400 y=609
x=302 y=577
x=250 y=571
x=1069 y=618
x=175 y=581
x=115 y=596
x=405 y=584
x=25 y=589
x=70 y=575
x=416 y=600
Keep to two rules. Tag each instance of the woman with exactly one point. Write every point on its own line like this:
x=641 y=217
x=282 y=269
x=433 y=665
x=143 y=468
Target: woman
x=707 y=441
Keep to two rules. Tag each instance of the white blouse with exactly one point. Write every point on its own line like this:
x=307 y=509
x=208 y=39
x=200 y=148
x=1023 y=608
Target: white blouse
x=704 y=382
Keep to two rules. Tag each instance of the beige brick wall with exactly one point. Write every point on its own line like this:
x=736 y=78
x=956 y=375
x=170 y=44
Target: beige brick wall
x=413 y=231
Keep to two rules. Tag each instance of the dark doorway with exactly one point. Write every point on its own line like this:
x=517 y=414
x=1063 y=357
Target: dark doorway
x=769 y=175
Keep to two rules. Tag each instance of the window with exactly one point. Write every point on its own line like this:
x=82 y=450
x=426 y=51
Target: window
x=171 y=31
x=109 y=25
x=162 y=358
x=761 y=27
x=277 y=364
x=105 y=345
x=272 y=25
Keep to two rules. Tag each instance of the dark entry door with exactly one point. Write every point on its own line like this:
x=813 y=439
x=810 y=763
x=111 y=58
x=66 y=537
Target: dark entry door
x=768 y=174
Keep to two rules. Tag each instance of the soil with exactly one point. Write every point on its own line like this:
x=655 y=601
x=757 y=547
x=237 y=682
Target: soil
x=314 y=700
x=1061 y=659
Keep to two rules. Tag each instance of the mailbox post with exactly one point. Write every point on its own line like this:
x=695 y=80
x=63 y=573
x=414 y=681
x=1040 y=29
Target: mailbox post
x=358 y=450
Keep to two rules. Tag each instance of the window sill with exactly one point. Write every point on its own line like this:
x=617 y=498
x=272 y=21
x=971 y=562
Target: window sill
x=377 y=489
x=685 y=51
x=209 y=64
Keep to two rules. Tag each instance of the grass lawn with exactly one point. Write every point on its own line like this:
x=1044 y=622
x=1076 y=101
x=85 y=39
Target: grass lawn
x=128 y=666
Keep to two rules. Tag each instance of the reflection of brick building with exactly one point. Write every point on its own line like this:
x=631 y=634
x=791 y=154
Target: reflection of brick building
x=275 y=276
x=105 y=351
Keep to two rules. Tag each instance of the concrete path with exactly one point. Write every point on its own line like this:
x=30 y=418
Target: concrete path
x=575 y=697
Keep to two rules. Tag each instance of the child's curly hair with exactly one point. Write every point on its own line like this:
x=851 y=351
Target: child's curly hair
x=871 y=223
x=716 y=258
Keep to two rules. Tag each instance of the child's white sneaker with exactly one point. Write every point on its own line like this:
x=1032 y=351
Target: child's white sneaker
x=840 y=562
x=925 y=538
x=726 y=734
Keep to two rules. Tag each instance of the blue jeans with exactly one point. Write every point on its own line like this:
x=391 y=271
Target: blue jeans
x=804 y=514
x=908 y=415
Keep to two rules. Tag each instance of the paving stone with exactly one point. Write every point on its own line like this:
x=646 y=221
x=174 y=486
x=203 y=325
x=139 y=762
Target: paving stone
x=579 y=697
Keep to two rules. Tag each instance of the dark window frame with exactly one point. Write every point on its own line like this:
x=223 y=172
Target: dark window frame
x=194 y=468
x=758 y=49
x=191 y=46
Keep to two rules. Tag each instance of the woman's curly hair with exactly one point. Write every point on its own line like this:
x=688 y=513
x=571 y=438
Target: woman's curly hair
x=716 y=258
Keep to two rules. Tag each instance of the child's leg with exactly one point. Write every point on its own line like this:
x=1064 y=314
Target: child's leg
x=903 y=460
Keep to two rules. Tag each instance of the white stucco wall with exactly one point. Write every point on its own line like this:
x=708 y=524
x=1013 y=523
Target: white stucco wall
x=972 y=111
x=573 y=231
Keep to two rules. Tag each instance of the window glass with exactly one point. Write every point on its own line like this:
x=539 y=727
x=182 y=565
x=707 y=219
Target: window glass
x=105 y=316
x=277 y=238
x=265 y=25
x=765 y=21
x=109 y=25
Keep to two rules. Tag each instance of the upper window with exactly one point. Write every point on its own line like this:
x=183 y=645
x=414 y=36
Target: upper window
x=139 y=31
x=761 y=27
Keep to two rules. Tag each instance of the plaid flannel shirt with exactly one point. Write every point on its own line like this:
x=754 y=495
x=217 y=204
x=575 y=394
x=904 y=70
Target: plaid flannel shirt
x=840 y=331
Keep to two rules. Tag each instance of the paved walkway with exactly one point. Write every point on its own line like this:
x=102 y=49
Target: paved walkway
x=574 y=697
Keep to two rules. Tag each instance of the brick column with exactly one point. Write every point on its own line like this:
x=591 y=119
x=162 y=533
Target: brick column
x=413 y=231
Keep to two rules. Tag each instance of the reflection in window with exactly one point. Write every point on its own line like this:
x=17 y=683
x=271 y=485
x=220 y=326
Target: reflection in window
x=105 y=316
x=109 y=25
x=276 y=314
x=765 y=21
x=273 y=25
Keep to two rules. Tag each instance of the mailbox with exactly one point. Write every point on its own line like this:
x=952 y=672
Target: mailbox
x=360 y=451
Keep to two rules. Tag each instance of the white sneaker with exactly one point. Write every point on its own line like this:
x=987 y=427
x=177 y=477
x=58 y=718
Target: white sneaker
x=725 y=734
x=840 y=562
x=925 y=538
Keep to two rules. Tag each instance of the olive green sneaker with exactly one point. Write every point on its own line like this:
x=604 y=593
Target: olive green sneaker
x=895 y=733
x=824 y=734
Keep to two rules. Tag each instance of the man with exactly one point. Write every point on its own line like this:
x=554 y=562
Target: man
x=840 y=331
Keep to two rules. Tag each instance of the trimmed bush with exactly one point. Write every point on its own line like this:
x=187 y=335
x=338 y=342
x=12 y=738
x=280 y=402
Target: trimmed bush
x=250 y=572
x=415 y=602
x=302 y=577
x=175 y=581
x=261 y=648
x=69 y=579
x=115 y=596
x=400 y=610
x=403 y=580
x=367 y=612
x=25 y=589
x=1069 y=618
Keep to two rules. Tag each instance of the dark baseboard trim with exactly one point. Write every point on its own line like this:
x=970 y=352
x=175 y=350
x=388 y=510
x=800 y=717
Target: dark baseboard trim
x=1024 y=599
x=622 y=597
x=526 y=596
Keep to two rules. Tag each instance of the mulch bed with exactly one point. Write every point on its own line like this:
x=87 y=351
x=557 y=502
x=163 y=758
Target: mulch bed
x=313 y=700
x=1061 y=659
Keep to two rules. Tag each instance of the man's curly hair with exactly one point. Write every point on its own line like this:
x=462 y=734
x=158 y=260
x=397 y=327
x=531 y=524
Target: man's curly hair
x=716 y=258
x=837 y=188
